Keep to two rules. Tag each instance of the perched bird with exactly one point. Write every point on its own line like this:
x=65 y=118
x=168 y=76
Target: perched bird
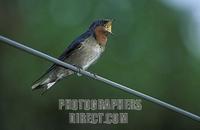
x=82 y=53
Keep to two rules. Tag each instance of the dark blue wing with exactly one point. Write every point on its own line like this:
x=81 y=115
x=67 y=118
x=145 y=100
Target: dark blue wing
x=69 y=50
x=74 y=45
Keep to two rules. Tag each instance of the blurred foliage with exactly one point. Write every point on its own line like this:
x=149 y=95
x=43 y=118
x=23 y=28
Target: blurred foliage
x=146 y=53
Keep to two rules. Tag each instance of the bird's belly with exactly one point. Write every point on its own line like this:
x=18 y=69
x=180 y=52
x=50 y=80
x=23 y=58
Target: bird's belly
x=85 y=56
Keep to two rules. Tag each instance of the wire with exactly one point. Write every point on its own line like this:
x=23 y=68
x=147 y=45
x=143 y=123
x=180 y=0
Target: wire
x=99 y=78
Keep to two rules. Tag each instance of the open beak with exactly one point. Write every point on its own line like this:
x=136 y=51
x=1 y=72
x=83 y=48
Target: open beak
x=108 y=26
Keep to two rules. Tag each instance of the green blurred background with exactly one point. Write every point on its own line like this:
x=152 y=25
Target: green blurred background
x=153 y=51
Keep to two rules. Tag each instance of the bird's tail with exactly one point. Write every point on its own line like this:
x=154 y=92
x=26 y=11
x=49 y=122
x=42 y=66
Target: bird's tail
x=44 y=84
x=48 y=79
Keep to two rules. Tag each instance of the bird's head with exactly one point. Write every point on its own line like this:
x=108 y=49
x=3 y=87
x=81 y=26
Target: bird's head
x=101 y=29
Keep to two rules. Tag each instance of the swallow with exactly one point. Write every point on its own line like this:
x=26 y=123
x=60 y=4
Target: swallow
x=82 y=53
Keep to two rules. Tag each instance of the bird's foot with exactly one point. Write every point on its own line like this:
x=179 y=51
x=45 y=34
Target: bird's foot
x=79 y=70
x=78 y=73
x=95 y=75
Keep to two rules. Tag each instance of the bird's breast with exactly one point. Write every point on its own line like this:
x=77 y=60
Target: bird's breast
x=87 y=54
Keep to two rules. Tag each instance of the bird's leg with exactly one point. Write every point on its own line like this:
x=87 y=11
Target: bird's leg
x=95 y=75
x=78 y=73
x=79 y=70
